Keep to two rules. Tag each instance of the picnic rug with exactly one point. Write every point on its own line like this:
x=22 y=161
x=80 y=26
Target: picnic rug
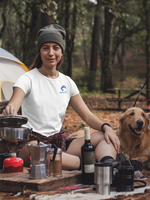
x=81 y=192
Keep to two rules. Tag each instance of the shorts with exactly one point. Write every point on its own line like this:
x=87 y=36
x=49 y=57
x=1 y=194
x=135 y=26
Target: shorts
x=59 y=139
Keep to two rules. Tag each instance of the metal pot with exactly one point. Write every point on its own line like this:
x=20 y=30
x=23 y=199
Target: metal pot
x=15 y=134
x=11 y=130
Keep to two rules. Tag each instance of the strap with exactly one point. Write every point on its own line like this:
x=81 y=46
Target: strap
x=103 y=126
x=140 y=181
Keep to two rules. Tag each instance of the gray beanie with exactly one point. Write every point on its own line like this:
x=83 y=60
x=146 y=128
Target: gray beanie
x=52 y=33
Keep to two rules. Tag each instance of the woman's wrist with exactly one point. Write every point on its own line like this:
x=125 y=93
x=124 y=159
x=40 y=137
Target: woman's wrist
x=102 y=127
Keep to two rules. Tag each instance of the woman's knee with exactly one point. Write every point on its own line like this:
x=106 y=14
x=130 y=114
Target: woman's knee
x=97 y=137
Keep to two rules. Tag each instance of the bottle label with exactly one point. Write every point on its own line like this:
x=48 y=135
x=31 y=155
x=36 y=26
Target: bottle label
x=89 y=168
x=89 y=161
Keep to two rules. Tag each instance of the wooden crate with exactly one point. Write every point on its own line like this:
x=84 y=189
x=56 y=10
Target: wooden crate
x=17 y=182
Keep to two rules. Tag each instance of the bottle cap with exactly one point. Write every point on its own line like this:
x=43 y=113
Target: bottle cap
x=87 y=133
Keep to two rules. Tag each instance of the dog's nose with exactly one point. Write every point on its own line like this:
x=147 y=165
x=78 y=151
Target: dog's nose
x=140 y=122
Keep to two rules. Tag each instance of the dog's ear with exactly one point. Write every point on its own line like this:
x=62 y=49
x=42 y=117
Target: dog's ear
x=121 y=121
x=147 y=120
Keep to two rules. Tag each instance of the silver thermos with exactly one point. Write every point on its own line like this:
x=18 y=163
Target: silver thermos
x=103 y=177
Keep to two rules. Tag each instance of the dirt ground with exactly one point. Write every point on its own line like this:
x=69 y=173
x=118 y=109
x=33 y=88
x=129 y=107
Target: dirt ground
x=106 y=111
x=73 y=126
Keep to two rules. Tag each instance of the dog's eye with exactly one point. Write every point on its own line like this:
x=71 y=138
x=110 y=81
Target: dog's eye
x=143 y=115
x=131 y=114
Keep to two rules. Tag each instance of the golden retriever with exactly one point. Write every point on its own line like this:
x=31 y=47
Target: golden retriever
x=134 y=134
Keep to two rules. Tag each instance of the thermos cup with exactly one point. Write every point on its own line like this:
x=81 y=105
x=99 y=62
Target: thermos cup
x=103 y=177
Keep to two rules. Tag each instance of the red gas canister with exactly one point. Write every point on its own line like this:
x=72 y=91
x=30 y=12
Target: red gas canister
x=13 y=165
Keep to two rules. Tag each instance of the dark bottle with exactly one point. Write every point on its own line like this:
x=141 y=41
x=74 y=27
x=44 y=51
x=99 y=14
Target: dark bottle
x=88 y=159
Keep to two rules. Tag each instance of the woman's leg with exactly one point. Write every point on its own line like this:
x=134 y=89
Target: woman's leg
x=70 y=158
x=102 y=149
x=70 y=162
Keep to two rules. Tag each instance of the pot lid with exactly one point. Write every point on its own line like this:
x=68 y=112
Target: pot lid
x=13 y=120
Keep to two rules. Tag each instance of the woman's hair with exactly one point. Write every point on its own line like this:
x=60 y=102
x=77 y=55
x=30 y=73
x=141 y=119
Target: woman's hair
x=38 y=63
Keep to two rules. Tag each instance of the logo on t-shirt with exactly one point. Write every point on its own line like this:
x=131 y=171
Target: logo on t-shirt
x=63 y=89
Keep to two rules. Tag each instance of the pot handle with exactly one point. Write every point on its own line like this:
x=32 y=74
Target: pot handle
x=55 y=151
x=140 y=181
x=38 y=141
x=30 y=132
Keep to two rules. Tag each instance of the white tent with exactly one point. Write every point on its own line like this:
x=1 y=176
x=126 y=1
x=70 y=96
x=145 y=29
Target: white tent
x=10 y=70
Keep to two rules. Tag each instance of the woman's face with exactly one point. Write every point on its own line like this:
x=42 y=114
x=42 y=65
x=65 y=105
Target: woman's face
x=51 y=54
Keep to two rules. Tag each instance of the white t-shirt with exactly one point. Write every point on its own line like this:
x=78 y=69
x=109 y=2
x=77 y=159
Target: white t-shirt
x=46 y=100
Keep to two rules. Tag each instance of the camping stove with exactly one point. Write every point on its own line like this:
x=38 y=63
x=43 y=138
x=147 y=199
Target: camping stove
x=13 y=164
x=12 y=132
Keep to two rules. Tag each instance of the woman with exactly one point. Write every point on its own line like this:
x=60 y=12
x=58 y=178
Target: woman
x=44 y=94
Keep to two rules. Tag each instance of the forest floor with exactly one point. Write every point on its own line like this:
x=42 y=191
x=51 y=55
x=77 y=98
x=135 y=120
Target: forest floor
x=73 y=126
x=106 y=111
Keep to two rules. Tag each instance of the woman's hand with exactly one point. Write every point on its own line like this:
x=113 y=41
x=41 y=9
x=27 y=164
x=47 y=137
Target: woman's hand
x=15 y=102
x=111 y=136
x=9 y=110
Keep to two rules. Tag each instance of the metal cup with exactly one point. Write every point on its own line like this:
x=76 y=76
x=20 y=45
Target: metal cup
x=103 y=177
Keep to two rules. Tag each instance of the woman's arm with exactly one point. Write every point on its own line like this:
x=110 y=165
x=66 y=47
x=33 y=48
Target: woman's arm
x=94 y=122
x=83 y=111
x=15 y=102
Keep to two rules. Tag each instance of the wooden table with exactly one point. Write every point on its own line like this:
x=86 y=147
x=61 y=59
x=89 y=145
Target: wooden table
x=131 y=92
x=17 y=182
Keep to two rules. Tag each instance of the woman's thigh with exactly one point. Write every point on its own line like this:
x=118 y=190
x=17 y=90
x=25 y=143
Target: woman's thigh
x=75 y=146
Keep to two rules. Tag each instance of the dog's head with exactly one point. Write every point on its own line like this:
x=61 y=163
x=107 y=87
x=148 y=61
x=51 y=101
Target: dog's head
x=135 y=121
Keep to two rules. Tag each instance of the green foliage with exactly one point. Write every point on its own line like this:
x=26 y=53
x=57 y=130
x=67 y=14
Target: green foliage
x=24 y=20
x=50 y=3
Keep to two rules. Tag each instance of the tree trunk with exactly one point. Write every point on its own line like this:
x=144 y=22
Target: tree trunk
x=4 y=4
x=70 y=34
x=119 y=57
x=101 y=34
x=106 y=75
x=147 y=41
x=123 y=63
x=45 y=18
x=95 y=48
x=84 y=50
x=60 y=12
